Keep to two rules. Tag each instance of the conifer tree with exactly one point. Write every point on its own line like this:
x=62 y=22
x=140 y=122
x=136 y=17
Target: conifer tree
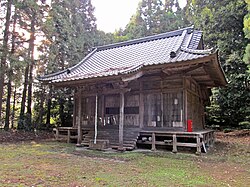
x=222 y=26
x=154 y=17
x=31 y=13
x=4 y=53
x=69 y=36
x=247 y=33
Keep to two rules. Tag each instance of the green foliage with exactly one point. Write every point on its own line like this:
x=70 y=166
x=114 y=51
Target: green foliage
x=153 y=17
x=70 y=33
x=247 y=33
x=245 y=124
x=222 y=23
x=102 y=38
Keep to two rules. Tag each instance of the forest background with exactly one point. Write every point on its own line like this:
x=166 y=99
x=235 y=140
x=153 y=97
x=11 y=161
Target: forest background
x=39 y=38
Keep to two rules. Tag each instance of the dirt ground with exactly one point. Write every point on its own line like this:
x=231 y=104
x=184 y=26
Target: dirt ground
x=237 y=136
x=13 y=136
x=229 y=159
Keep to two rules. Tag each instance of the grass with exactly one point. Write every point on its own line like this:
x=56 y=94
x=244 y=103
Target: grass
x=58 y=164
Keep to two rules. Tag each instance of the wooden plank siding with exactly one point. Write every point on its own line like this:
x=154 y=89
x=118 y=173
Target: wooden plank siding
x=166 y=101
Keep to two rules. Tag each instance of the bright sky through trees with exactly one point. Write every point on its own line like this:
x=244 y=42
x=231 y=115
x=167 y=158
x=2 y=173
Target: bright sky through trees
x=115 y=14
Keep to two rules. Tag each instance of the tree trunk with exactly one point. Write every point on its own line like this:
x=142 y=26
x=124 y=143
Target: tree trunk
x=10 y=74
x=31 y=57
x=21 y=116
x=48 y=107
x=41 y=109
x=25 y=121
x=13 y=108
x=7 y=113
x=4 y=54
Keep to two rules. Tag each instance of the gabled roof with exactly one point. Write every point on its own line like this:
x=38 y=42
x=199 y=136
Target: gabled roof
x=130 y=56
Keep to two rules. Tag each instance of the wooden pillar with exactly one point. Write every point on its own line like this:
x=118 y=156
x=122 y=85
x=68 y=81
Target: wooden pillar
x=198 y=146
x=174 y=144
x=121 y=123
x=74 y=111
x=57 y=133
x=162 y=105
x=79 y=127
x=153 y=142
x=212 y=139
x=96 y=117
x=185 y=109
x=141 y=106
x=103 y=109
x=68 y=136
x=149 y=100
x=162 y=108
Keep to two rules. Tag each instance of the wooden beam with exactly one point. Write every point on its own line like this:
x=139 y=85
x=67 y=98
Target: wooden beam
x=192 y=68
x=121 y=124
x=201 y=76
x=106 y=92
x=168 y=72
x=131 y=77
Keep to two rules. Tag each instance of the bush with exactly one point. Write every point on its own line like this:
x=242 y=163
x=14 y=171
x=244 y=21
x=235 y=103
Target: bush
x=244 y=125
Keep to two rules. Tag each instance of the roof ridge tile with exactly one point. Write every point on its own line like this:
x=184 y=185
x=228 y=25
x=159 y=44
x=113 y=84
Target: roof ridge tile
x=146 y=39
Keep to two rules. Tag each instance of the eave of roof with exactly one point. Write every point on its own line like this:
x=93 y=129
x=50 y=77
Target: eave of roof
x=211 y=59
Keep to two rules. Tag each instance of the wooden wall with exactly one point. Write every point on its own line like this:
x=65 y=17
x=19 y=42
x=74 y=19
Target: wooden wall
x=195 y=104
x=152 y=110
x=165 y=101
x=131 y=117
x=173 y=113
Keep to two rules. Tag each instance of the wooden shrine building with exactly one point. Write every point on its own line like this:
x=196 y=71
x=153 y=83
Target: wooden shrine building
x=143 y=91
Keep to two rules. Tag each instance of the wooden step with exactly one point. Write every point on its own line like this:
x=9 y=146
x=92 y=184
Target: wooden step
x=111 y=133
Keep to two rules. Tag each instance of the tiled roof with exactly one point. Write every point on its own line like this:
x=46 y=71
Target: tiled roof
x=130 y=56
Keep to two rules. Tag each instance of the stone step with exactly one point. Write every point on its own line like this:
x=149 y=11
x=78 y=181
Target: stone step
x=128 y=148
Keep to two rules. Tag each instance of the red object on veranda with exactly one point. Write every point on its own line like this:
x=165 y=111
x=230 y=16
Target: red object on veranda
x=189 y=125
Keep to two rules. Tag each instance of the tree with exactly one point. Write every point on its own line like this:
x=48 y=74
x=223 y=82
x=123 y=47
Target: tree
x=222 y=23
x=10 y=74
x=4 y=53
x=154 y=17
x=13 y=56
x=69 y=36
x=247 y=33
x=31 y=15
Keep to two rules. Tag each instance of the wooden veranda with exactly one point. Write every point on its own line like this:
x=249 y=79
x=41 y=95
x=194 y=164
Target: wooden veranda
x=200 y=140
